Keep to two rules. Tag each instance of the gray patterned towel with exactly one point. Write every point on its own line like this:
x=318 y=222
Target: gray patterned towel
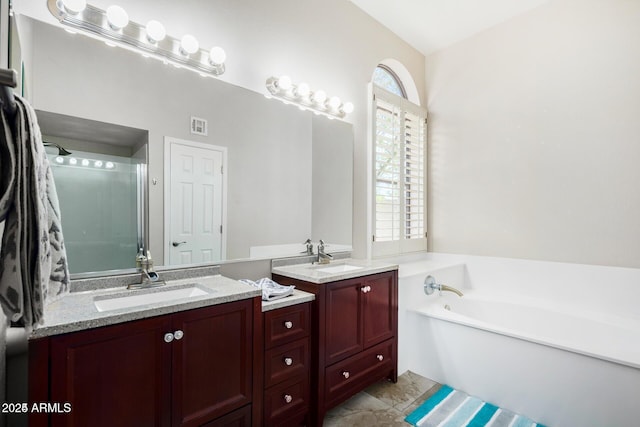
x=33 y=262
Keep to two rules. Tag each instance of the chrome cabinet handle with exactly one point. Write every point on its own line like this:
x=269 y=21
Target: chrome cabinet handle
x=178 y=334
x=288 y=324
x=168 y=337
x=176 y=244
x=288 y=398
x=288 y=361
x=365 y=289
x=380 y=357
x=345 y=374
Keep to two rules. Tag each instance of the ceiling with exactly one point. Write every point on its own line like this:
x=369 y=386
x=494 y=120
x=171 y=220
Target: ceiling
x=431 y=25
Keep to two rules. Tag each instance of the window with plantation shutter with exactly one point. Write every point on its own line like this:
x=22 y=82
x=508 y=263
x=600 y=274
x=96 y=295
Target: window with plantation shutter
x=399 y=167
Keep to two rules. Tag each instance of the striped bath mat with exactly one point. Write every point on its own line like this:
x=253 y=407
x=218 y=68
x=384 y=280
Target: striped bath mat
x=453 y=408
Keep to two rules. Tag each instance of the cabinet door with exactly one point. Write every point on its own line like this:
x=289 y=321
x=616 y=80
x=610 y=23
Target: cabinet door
x=343 y=320
x=113 y=376
x=380 y=308
x=212 y=372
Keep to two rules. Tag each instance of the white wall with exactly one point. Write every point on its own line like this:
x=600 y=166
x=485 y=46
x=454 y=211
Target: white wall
x=535 y=137
x=330 y=44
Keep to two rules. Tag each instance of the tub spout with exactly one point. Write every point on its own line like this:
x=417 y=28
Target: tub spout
x=430 y=285
x=450 y=289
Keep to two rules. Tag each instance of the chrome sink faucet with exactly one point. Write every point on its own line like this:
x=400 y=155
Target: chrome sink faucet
x=148 y=278
x=309 y=248
x=430 y=285
x=323 y=257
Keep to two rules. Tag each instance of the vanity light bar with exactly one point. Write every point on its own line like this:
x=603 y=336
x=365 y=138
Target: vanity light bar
x=73 y=161
x=282 y=88
x=114 y=27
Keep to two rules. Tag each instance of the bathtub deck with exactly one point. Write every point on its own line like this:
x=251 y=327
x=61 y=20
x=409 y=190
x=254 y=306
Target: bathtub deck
x=383 y=404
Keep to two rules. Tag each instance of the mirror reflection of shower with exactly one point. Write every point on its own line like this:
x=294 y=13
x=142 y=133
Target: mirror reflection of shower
x=99 y=206
x=61 y=150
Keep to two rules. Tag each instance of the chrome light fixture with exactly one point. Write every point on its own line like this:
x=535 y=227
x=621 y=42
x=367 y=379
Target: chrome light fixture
x=285 y=90
x=151 y=40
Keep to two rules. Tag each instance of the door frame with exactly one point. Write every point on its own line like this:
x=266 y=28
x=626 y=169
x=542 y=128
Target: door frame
x=168 y=141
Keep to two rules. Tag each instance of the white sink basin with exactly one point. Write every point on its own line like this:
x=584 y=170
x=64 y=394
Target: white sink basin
x=144 y=297
x=341 y=268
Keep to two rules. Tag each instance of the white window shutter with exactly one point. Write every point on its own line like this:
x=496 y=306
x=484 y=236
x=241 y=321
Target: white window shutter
x=399 y=157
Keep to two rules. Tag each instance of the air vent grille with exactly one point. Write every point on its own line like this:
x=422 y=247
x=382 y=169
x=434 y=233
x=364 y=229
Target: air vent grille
x=199 y=126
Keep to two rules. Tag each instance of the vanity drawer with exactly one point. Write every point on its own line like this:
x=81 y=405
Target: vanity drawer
x=287 y=403
x=286 y=361
x=286 y=324
x=353 y=374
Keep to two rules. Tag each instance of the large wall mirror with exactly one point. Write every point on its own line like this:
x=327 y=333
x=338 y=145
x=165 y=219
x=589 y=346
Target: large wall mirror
x=287 y=174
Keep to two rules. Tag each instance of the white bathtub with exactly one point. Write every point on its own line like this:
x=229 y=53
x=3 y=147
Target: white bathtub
x=573 y=360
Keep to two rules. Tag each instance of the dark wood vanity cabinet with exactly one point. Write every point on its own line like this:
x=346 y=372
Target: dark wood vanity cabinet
x=287 y=366
x=190 y=368
x=354 y=336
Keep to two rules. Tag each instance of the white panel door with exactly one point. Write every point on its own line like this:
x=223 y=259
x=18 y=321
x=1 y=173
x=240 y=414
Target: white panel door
x=196 y=204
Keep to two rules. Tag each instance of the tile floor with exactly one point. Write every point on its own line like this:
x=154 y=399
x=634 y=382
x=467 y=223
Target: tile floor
x=383 y=404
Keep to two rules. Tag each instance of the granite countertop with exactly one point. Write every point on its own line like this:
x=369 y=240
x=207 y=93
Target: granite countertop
x=316 y=273
x=77 y=311
x=298 y=297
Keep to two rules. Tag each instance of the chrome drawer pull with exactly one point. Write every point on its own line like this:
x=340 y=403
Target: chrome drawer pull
x=345 y=374
x=288 y=398
x=178 y=334
x=288 y=361
x=168 y=337
x=380 y=357
x=365 y=289
x=288 y=324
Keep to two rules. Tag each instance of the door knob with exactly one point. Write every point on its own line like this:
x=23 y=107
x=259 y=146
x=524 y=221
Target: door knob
x=288 y=361
x=380 y=357
x=178 y=334
x=176 y=244
x=168 y=337
x=288 y=324
x=288 y=398
x=346 y=374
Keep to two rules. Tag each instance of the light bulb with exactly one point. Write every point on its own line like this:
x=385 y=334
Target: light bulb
x=85 y=162
x=347 y=108
x=334 y=102
x=284 y=83
x=303 y=90
x=117 y=17
x=189 y=45
x=109 y=165
x=217 y=55
x=319 y=96
x=72 y=6
x=59 y=160
x=155 y=31
x=73 y=161
x=98 y=163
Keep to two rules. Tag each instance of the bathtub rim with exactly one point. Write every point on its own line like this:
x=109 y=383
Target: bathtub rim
x=437 y=311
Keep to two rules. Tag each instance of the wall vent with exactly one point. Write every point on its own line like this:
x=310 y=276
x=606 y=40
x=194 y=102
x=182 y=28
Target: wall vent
x=198 y=126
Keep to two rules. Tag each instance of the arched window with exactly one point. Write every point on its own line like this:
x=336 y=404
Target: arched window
x=399 y=170
x=385 y=78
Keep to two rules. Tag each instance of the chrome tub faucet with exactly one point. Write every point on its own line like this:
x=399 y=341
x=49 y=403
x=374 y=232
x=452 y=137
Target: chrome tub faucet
x=430 y=285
